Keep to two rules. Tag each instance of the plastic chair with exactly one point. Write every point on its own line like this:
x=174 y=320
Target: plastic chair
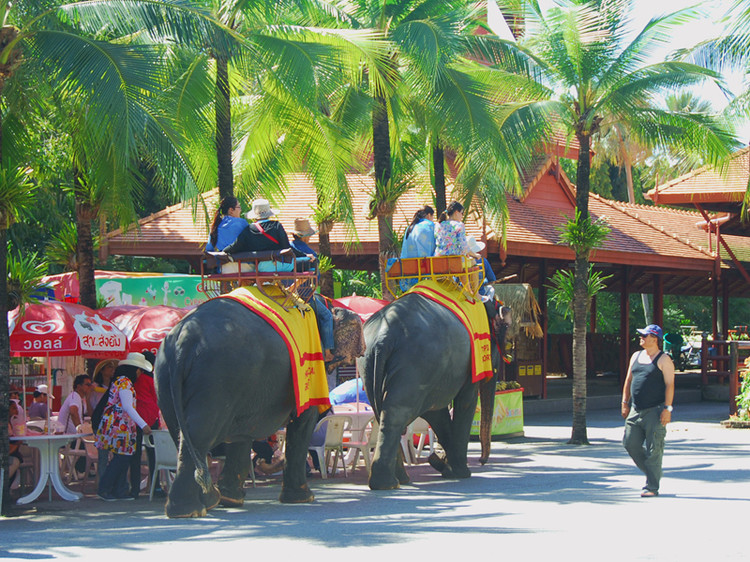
x=70 y=454
x=334 y=442
x=365 y=446
x=165 y=453
x=419 y=427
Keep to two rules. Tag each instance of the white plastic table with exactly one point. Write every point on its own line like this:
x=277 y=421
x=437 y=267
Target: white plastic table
x=360 y=420
x=49 y=467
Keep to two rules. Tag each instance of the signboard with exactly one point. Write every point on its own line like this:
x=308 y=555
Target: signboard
x=508 y=416
x=168 y=290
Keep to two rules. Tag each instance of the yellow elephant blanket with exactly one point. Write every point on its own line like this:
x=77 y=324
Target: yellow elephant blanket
x=472 y=314
x=300 y=334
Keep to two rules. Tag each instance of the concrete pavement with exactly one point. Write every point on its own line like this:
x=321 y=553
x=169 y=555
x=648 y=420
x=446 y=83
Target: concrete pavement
x=538 y=498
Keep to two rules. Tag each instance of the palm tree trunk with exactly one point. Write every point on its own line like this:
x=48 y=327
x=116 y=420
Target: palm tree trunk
x=85 y=253
x=4 y=356
x=438 y=171
x=4 y=372
x=580 y=297
x=383 y=210
x=222 y=109
x=324 y=249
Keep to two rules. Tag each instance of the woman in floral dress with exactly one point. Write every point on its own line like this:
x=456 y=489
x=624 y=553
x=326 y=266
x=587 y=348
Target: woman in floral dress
x=450 y=233
x=117 y=430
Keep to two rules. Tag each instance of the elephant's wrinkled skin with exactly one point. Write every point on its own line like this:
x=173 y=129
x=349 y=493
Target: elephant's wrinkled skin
x=223 y=376
x=418 y=364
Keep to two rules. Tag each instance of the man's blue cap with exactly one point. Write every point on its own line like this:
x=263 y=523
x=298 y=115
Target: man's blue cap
x=653 y=330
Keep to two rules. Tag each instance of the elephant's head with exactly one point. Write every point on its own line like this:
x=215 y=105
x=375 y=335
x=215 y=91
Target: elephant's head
x=348 y=338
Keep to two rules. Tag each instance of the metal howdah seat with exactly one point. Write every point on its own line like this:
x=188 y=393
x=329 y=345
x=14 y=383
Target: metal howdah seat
x=463 y=271
x=296 y=277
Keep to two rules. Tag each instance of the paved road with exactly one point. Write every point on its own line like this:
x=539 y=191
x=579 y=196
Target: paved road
x=538 y=499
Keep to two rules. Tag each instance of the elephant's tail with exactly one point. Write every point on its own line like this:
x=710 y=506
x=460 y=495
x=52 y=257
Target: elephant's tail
x=180 y=365
x=375 y=361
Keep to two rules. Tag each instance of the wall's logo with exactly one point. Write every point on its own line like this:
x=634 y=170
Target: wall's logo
x=41 y=328
x=155 y=334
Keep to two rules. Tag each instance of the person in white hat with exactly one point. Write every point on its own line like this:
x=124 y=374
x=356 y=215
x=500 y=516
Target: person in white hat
x=117 y=429
x=300 y=238
x=266 y=233
x=38 y=408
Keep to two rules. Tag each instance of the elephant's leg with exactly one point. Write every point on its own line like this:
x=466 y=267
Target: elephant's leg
x=384 y=474
x=185 y=494
x=234 y=473
x=294 y=488
x=440 y=422
x=464 y=408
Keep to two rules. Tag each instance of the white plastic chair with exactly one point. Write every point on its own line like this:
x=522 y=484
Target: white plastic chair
x=419 y=427
x=71 y=453
x=334 y=442
x=165 y=455
x=365 y=444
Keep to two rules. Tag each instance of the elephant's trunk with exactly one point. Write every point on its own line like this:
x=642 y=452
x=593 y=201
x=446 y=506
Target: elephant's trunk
x=487 y=407
x=499 y=324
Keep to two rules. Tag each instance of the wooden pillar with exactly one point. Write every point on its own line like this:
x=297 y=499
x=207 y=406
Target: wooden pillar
x=543 y=306
x=658 y=300
x=715 y=309
x=624 y=323
x=725 y=307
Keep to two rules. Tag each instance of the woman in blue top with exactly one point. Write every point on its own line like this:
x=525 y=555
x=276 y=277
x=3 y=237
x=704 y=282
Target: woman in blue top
x=419 y=240
x=227 y=225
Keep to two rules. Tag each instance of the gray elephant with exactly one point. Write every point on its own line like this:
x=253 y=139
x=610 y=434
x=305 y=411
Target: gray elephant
x=223 y=376
x=417 y=364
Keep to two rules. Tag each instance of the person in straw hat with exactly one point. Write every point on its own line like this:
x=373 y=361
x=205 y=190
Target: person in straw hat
x=300 y=244
x=486 y=290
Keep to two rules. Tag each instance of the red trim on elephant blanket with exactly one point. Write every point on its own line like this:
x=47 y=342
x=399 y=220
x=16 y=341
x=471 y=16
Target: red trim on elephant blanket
x=308 y=368
x=481 y=358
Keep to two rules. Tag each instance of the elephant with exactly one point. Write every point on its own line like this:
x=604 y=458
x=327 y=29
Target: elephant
x=416 y=364
x=223 y=376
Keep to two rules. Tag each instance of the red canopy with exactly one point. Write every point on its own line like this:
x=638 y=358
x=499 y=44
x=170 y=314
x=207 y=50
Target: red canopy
x=145 y=326
x=364 y=306
x=63 y=329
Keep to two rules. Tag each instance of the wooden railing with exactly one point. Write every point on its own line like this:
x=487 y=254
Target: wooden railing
x=725 y=362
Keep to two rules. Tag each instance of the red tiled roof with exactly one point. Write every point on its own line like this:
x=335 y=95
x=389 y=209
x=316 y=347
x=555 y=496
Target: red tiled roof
x=707 y=185
x=641 y=235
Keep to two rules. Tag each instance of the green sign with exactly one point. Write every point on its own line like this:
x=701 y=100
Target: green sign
x=169 y=290
x=508 y=416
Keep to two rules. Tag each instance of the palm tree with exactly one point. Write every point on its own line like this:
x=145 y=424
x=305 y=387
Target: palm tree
x=54 y=42
x=16 y=195
x=419 y=36
x=586 y=71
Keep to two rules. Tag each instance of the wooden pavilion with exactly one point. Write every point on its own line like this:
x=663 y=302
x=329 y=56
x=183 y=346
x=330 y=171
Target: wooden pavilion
x=651 y=249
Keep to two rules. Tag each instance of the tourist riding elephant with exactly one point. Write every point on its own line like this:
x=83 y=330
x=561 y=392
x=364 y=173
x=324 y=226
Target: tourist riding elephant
x=417 y=364
x=223 y=375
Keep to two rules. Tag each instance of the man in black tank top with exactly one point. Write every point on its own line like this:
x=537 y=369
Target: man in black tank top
x=647 y=406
